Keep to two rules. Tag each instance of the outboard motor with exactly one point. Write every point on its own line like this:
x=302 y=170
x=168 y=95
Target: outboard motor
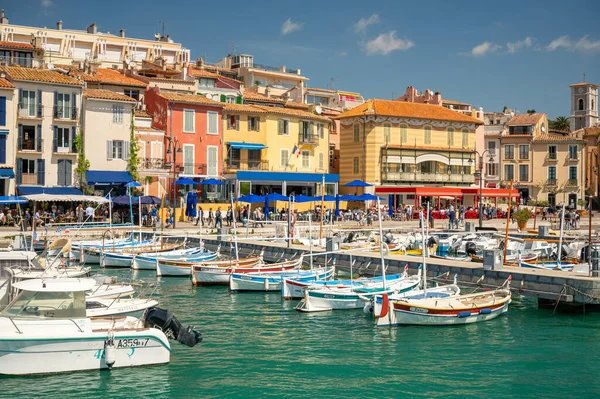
x=585 y=254
x=388 y=238
x=471 y=248
x=350 y=237
x=431 y=241
x=173 y=329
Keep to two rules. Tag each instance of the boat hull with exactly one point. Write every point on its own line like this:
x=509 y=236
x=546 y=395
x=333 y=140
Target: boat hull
x=163 y=270
x=272 y=282
x=413 y=318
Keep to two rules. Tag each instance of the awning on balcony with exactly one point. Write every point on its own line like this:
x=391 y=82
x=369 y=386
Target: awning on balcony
x=107 y=177
x=29 y=190
x=7 y=173
x=247 y=146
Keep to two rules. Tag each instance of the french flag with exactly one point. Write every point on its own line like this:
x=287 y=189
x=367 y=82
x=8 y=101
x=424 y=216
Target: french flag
x=296 y=150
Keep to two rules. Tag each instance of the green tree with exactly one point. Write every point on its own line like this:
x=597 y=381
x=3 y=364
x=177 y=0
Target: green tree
x=531 y=111
x=83 y=164
x=560 y=123
x=134 y=148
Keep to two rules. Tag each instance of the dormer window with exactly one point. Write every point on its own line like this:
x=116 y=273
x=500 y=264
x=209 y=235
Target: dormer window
x=207 y=83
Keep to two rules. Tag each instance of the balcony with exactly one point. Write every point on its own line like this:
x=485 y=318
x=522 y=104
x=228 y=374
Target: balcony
x=64 y=151
x=26 y=62
x=551 y=157
x=236 y=164
x=572 y=183
x=29 y=146
x=29 y=179
x=551 y=182
x=28 y=111
x=152 y=164
x=571 y=158
x=190 y=169
x=64 y=113
x=308 y=139
x=426 y=177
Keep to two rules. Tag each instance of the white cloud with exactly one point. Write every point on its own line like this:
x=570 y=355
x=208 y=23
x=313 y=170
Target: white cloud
x=583 y=45
x=289 y=26
x=484 y=48
x=363 y=23
x=562 y=41
x=513 y=47
x=385 y=43
x=47 y=3
x=343 y=53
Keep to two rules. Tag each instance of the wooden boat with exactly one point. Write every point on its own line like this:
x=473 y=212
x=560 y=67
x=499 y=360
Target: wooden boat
x=273 y=281
x=144 y=262
x=550 y=265
x=123 y=257
x=207 y=274
x=462 y=309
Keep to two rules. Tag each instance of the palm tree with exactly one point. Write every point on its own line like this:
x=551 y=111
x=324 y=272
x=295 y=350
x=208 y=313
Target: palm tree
x=560 y=123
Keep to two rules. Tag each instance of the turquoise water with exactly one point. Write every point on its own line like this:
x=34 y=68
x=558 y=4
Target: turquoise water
x=257 y=346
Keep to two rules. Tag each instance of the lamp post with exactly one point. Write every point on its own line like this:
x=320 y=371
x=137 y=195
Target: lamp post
x=480 y=172
x=174 y=147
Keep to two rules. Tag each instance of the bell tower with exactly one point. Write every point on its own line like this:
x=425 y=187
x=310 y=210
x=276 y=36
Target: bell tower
x=584 y=105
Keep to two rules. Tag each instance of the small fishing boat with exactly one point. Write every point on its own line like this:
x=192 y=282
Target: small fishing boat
x=461 y=309
x=294 y=289
x=92 y=254
x=549 y=265
x=323 y=298
x=219 y=275
x=273 y=281
x=149 y=261
x=124 y=256
x=46 y=329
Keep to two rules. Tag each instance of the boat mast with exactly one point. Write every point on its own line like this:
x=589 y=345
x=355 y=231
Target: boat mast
x=310 y=238
x=590 y=238
x=237 y=256
x=424 y=245
x=381 y=244
x=560 y=239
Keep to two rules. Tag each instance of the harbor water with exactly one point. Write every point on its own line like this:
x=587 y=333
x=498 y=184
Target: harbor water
x=255 y=345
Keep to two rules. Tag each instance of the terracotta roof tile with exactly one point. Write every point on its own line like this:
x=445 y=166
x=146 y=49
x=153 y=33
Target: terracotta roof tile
x=202 y=73
x=584 y=84
x=190 y=99
x=40 y=75
x=19 y=45
x=108 y=76
x=589 y=131
x=253 y=96
x=168 y=80
x=525 y=119
x=308 y=89
x=453 y=102
x=293 y=104
x=294 y=113
x=5 y=84
x=107 y=95
x=149 y=129
x=408 y=110
x=245 y=108
x=554 y=138
x=142 y=114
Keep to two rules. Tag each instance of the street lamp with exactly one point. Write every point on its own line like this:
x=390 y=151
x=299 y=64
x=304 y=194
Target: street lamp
x=174 y=147
x=480 y=172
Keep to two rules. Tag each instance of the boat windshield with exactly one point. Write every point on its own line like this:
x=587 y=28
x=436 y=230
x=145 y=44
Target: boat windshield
x=47 y=304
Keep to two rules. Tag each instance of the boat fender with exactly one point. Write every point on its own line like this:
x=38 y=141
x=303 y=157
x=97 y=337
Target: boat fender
x=110 y=352
x=485 y=311
x=464 y=314
x=266 y=284
x=368 y=308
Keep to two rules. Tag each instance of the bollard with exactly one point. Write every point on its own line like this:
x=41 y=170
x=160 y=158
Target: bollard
x=469 y=227
x=220 y=233
x=332 y=243
x=543 y=230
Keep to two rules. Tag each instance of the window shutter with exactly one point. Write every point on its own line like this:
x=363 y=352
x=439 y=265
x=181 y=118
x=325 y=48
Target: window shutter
x=41 y=176
x=19 y=176
x=20 y=98
x=39 y=138
x=69 y=172
x=55 y=140
x=39 y=104
x=2 y=111
x=126 y=148
x=229 y=122
x=223 y=98
x=109 y=148
x=20 y=138
x=237 y=122
x=238 y=100
x=55 y=109
x=73 y=136
x=60 y=179
x=312 y=129
x=249 y=126
x=2 y=149
x=74 y=106
x=258 y=124
x=280 y=126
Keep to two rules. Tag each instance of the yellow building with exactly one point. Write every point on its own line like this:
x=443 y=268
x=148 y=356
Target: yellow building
x=275 y=149
x=408 y=150
x=543 y=165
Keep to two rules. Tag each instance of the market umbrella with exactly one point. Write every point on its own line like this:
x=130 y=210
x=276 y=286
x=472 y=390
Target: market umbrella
x=191 y=201
x=348 y=198
x=367 y=197
x=185 y=180
x=326 y=198
x=212 y=181
x=277 y=197
x=251 y=198
x=146 y=200
x=303 y=198
x=357 y=183
x=133 y=184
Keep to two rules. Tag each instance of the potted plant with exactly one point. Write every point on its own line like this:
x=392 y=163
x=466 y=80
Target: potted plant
x=522 y=216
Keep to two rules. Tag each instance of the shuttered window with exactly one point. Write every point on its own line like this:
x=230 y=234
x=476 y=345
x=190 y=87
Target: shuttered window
x=2 y=111
x=188 y=159
x=403 y=133
x=356 y=132
x=284 y=127
x=321 y=161
x=450 y=132
x=305 y=159
x=2 y=149
x=285 y=157
x=65 y=172
x=213 y=159
x=213 y=118
x=356 y=167
x=427 y=135
x=188 y=121
x=386 y=132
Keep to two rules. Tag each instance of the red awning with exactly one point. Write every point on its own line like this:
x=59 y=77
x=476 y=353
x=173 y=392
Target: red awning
x=447 y=191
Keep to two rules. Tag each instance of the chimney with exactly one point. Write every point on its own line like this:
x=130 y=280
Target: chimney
x=122 y=33
x=199 y=62
x=59 y=25
x=92 y=28
x=370 y=106
x=3 y=19
x=268 y=91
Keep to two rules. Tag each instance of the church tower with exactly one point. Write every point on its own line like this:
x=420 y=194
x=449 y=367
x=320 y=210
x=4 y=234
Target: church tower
x=584 y=105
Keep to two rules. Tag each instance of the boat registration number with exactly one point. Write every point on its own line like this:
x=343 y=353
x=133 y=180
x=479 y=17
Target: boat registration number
x=418 y=310
x=131 y=342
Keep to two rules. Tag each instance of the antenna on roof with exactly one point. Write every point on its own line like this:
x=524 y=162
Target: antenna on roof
x=584 y=76
x=232 y=47
x=163 y=27
x=332 y=83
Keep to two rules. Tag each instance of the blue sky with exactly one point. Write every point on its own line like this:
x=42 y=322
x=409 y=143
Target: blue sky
x=522 y=54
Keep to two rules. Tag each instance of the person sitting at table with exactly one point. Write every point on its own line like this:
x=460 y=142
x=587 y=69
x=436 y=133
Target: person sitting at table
x=116 y=217
x=10 y=221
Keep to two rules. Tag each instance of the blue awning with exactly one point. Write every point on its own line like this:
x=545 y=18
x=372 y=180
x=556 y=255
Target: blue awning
x=288 y=176
x=7 y=173
x=247 y=146
x=3 y=132
x=28 y=190
x=107 y=177
x=12 y=199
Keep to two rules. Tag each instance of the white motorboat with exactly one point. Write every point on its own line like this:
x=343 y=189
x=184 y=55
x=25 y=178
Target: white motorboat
x=109 y=288
x=135 y=307
x=273 y=281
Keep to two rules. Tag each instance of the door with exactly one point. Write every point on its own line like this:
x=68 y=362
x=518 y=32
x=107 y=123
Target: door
x=572 y=200
x=213 y=159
